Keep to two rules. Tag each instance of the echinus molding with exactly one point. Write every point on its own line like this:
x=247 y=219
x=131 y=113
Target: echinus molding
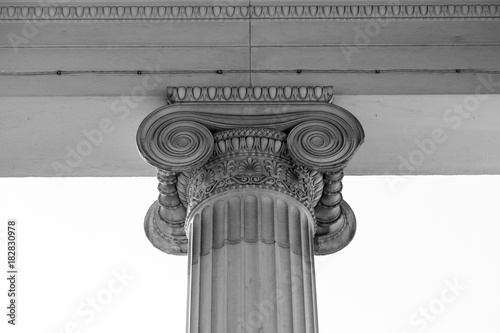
x=221 y=12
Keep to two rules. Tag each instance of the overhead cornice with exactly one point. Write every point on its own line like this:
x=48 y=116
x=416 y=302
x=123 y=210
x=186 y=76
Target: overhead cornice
x=382 y=11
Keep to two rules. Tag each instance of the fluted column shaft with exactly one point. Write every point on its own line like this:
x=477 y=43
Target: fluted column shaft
x=251 y=265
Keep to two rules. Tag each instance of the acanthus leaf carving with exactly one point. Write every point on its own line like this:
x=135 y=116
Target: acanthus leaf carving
x=274 y=168
x=250 y=167
x=225 y=168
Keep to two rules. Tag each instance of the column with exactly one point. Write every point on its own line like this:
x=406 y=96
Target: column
x=251 y=265
x=250 y=191
x=251 y=228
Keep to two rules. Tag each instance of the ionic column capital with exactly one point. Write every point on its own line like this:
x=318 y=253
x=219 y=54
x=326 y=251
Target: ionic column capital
x=203 y=148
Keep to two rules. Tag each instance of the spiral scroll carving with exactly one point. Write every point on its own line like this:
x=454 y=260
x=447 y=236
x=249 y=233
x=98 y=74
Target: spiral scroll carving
x=203 y=150
x=177 y=146
x=321 y=146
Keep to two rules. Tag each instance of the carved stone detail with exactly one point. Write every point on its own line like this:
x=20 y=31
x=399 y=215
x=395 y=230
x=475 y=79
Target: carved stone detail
x=321 y=145
x=253 y=94
x=249 y=157
x=176 y=146
x=251 y=250
x=203 y=151
x=248 y=179
x=261 y=12
x=364 y=11
x=143 y=13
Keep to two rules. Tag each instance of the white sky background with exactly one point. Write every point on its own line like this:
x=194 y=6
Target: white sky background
x=412 y=242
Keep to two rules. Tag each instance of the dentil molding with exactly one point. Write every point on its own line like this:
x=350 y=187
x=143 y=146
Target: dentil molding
x=226 y=142
x=384 y=10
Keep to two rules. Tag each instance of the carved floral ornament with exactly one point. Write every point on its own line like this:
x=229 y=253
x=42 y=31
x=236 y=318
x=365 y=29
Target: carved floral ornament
x=203 y=148
x=250 y=157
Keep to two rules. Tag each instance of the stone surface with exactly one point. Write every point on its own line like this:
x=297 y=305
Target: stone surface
x=266 y=38
x=247 y=186
x=41 y=133
x=251 y=264
x=298 y=149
